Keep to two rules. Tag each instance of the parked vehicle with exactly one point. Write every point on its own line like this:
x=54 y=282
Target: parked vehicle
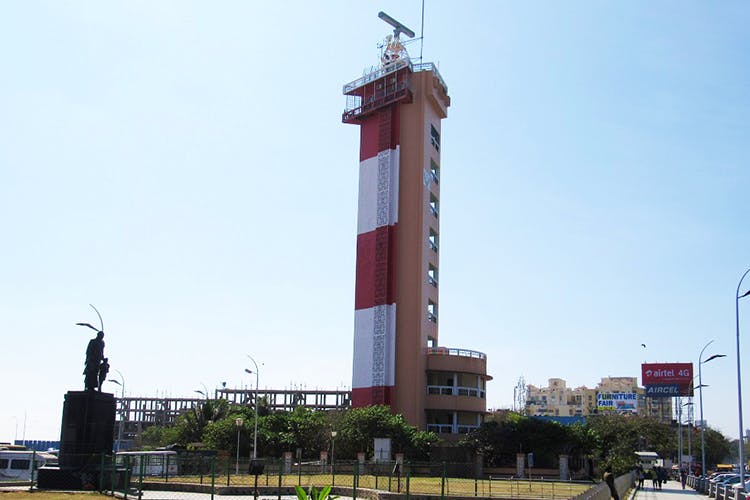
x=21 y=465
x=734 y=479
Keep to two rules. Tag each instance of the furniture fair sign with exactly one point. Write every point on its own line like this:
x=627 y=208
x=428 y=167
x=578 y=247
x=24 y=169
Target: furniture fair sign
x=617 y=402
x=666 y=380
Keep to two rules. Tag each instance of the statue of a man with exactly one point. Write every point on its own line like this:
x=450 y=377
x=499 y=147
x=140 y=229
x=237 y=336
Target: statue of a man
x=94 y=357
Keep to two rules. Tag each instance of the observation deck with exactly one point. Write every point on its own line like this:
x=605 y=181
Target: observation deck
x=382 y=86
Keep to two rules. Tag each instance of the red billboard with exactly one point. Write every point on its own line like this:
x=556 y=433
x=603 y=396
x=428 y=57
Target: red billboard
x=667 y=379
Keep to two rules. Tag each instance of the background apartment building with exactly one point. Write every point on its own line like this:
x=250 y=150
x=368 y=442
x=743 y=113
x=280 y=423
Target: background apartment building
x=611 y=395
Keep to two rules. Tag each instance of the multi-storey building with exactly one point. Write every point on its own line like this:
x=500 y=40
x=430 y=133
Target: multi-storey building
x=398 y=361
x=611 y=394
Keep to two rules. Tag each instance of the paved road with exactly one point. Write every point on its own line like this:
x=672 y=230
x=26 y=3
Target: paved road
x=671 y=490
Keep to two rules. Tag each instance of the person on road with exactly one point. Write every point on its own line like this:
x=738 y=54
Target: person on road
x=683 y=477
x=641 y=475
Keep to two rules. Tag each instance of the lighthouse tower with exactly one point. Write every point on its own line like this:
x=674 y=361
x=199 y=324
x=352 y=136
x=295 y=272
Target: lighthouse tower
x=399 y=106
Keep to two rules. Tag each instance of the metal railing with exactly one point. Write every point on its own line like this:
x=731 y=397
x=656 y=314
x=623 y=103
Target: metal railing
x=454 y=351
x=186 y=474
x=449 y=390
x=374 y=74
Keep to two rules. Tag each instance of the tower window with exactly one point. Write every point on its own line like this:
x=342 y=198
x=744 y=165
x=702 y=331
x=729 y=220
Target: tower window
x=434 y=205
x=435 y=138
x=433 y=240
x=435 y=170
x=432 y=275
x=432 y=311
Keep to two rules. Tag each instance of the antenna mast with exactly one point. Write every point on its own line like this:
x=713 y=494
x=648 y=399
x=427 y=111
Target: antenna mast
x=421 y=35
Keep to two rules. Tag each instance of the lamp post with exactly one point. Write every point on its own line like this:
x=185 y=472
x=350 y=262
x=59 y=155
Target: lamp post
x=333 y=448
x=121 y=383
x=739 y=380
x=679 y=432
x=700 y=401
x=689 y=432
x=238 y=421
x=255 y=425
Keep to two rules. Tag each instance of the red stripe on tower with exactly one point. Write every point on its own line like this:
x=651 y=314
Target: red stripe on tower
x=377 y=228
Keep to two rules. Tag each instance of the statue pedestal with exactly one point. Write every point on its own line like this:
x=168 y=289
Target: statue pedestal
x=86 y=440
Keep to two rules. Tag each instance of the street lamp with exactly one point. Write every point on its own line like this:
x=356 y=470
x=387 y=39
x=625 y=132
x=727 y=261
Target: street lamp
x=121 y=383
x=689 y=433
x=333 y=448
x=238 y=421
x=739 y=381
x=700 y=400
x=255 y=427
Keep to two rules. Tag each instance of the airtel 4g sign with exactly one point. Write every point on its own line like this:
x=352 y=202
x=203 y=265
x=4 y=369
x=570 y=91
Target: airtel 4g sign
x=667 y=380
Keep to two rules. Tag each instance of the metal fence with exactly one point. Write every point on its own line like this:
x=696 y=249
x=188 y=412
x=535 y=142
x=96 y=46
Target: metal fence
x=142 y=475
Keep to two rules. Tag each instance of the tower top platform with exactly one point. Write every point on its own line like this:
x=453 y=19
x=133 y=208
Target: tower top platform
x=377 y=72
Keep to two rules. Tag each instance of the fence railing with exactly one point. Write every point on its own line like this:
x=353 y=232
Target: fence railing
x=132 y=474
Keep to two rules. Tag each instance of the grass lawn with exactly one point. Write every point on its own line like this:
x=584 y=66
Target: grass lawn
x=417 y=485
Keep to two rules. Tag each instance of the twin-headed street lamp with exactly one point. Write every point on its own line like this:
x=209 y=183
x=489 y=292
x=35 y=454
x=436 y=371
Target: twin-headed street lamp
x=121 y=383
x=255 y=427
x=700 y=399
x=739 y=380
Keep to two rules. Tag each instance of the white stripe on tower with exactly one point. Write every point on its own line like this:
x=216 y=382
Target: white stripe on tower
x=375 y=308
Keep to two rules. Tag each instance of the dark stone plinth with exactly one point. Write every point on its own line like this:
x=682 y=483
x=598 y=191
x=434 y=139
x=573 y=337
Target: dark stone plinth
x=83 y=478
x=88 y=427
x=86 y=439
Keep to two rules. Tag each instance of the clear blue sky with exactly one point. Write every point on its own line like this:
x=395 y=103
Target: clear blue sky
x=183 y=167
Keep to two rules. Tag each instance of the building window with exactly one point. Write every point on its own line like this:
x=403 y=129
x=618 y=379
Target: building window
x=433 y=240
x=435 y=138
x=432 y=311
x=432 y=276
x=434 y=205
x=435 y=171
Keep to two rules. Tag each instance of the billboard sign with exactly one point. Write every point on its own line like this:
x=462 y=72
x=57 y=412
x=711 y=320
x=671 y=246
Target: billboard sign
x=617 y=402
x=667 y=380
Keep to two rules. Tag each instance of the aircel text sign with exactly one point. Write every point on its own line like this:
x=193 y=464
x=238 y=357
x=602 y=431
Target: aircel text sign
x=667 y=379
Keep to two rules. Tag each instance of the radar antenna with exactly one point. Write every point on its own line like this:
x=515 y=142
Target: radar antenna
x=398 y=28
x=393 y=49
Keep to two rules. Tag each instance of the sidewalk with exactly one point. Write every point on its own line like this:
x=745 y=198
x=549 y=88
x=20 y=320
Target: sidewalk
x=671 y=490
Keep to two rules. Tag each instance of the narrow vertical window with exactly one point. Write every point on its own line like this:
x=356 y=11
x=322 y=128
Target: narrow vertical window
x=435 y=138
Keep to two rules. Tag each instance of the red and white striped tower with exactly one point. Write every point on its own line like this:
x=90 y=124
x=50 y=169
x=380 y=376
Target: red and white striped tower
x=377 y=228
x=377 y=232
x=398 y=107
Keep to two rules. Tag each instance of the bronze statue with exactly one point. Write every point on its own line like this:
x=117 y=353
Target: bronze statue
x=94 y=358
x=97 y=365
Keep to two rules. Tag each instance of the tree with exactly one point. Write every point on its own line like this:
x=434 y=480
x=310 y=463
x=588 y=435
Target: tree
x=499 y=440
x=157 y=436
x=618 y=437
x=194 y=421
x=359 y=427
x=718 y=448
